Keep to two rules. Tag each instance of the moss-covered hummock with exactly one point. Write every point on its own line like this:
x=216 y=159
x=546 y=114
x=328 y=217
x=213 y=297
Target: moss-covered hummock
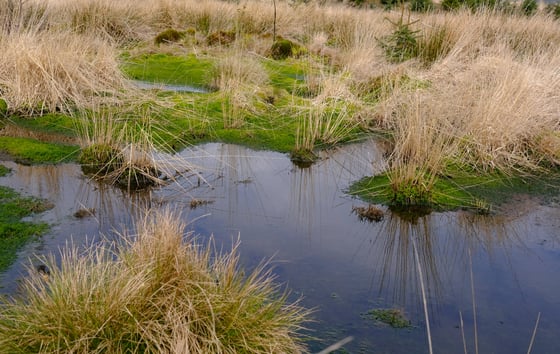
x=99 y=159
x=170 y=35
x=14 y=232
x=284 y=48
x=459 y=190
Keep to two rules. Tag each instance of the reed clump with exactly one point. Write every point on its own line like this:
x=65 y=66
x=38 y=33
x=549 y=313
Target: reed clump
x=160 y=292
x=125 y=148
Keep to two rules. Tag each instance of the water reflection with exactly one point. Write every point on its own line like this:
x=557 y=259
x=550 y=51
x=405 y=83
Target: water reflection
x=399 y=272
x=342 y=266
x=443 y=243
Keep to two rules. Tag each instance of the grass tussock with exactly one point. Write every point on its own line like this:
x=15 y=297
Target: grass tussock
x=49 y=71
x=162 y=292
x=126 y=149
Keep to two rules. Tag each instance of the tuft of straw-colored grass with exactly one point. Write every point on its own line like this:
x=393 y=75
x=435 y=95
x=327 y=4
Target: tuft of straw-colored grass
x=330 y=117
x=422 y=145
x=162 y=292
x=48 y=70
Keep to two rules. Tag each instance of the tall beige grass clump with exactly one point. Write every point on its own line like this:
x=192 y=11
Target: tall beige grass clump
x=160 y=293
x=491 y=89
x=423 y=143
x=47 y=71
x=116 y=21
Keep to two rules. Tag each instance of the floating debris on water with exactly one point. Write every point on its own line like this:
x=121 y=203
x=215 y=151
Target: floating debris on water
x=370 y=213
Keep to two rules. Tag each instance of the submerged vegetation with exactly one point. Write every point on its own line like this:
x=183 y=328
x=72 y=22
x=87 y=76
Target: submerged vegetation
x=161 y=292
x=392 y=317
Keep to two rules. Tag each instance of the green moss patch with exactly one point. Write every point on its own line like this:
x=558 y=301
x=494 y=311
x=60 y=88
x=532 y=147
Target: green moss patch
x=33 y=151
x=288 y=75
x=267 y=118
x=4 y=171
x=197 y=119
x=14 y=232
x=462 y=190
x=52 y=123
x=170 y=69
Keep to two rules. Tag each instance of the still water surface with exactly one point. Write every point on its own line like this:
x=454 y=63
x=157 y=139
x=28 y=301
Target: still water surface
x=341 y=266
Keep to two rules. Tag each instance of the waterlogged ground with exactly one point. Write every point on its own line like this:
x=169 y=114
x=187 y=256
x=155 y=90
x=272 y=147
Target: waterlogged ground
x=342 y=266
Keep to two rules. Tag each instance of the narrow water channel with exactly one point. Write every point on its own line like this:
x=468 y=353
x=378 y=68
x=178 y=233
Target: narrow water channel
x=342 y=267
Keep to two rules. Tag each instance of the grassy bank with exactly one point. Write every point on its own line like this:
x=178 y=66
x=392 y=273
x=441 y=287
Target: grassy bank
x=472 y=87
x=161 y=292
x=14 y=232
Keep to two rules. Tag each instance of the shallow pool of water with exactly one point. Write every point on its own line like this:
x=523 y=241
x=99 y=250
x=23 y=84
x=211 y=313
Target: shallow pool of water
x=341 y=266
x=145 y=85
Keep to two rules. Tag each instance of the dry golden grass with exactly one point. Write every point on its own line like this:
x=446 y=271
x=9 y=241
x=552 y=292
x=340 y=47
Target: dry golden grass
x=491 y=78
x=161 y=293
x=45 y=71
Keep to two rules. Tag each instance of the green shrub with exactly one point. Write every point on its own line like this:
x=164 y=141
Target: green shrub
x=474 y=5
x=402 y=44
x=450 y=5
x=168 y=36
x=421 y=5
x=389 y=4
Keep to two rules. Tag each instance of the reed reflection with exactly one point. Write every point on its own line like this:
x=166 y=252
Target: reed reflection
x=443 y=243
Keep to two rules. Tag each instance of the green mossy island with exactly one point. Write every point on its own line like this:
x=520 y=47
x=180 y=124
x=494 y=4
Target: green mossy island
x=14 y=232
x=169 y=69
x=481 y=193
x=392 y=317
